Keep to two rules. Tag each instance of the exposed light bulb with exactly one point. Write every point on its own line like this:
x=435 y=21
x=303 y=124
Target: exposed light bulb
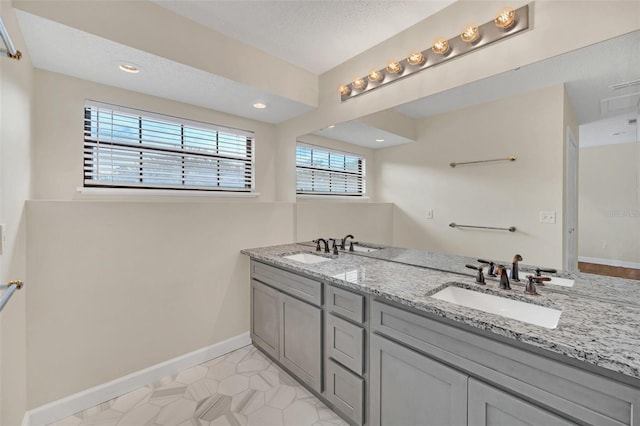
x=470 y=33
x=359 y=83
x=375 y=75
x=394 y=67
x=440 y=46
x=505 y=18
x=344 y=90
x=415 y=58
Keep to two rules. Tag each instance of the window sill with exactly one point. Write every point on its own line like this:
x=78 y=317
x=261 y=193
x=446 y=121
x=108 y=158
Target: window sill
x=331 y=197
x=134 y=192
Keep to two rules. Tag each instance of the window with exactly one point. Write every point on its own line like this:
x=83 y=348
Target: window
x=323 y=171
x=128 y=148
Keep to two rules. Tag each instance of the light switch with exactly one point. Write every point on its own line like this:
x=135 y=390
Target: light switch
x=430 y=214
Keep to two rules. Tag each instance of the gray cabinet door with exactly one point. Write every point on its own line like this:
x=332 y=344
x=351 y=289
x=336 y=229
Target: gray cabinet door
x=301 y=340
x=265 y=318
x=410 y=389
x=345 y=390
x=489 y=406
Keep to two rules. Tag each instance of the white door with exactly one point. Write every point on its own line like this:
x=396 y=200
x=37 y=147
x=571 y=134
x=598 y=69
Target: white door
x=571 y=204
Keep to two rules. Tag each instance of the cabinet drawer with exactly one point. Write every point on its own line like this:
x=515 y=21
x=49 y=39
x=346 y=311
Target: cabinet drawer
x=345 y=343
x=345 y=391
x=296 y=285
x=349 y=305
x=560 y=386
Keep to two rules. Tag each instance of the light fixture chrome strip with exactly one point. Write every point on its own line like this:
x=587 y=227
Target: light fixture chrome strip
x=489 y=34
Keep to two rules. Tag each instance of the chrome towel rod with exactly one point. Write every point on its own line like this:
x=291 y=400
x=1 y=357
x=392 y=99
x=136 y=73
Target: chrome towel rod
x=9 y=290
x=510 y=229
x=512 y=158
x=10 y=50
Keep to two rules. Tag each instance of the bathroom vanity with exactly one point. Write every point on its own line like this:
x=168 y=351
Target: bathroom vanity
x=367 y=337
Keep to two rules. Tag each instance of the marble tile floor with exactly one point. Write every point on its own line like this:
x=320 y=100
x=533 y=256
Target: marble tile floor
x=242 y=388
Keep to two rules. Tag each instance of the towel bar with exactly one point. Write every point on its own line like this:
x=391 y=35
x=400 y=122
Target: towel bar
x=510 y=229
x=10 y=51
x=512 y=158
x=9 y=290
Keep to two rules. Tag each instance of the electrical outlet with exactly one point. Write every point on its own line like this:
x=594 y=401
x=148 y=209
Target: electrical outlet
x=548 y=217
x=430 y=214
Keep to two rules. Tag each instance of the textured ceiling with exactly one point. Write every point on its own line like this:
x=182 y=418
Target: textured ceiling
x=65 y=50
x=304 y=29
x=314 y=35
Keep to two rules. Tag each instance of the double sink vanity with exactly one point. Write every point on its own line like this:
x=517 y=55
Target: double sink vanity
x=392 y=336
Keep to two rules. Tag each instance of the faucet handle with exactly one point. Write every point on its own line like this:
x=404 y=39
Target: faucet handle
x=317 y=244
x=491 y=264
x=530 y=287
x=480 y=276
x=546 y=271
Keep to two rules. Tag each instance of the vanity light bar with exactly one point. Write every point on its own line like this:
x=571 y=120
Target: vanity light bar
x=488 y=33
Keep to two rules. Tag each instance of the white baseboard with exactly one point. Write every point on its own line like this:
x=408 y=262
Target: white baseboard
x=88 y=398
x=609 y=262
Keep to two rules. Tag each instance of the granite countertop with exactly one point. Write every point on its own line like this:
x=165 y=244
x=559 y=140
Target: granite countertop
x=618 y=290
x=597 y=331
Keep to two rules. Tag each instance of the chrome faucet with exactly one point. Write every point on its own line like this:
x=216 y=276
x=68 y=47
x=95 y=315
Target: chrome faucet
x=343 y=246
x=326 y=244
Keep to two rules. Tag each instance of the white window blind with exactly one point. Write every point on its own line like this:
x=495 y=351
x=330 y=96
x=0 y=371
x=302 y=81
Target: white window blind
x=323 y=171
x=129 y=148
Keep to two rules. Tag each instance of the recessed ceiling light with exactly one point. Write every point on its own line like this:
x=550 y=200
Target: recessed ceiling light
x=331 y=127
x=259 y=105
x=130 y=68
x=379 y=140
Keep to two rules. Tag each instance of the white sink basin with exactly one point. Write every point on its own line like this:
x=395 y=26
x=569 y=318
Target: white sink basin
x=564 y=282
x=363 y=249
x=307 y=258
x=509 y=308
